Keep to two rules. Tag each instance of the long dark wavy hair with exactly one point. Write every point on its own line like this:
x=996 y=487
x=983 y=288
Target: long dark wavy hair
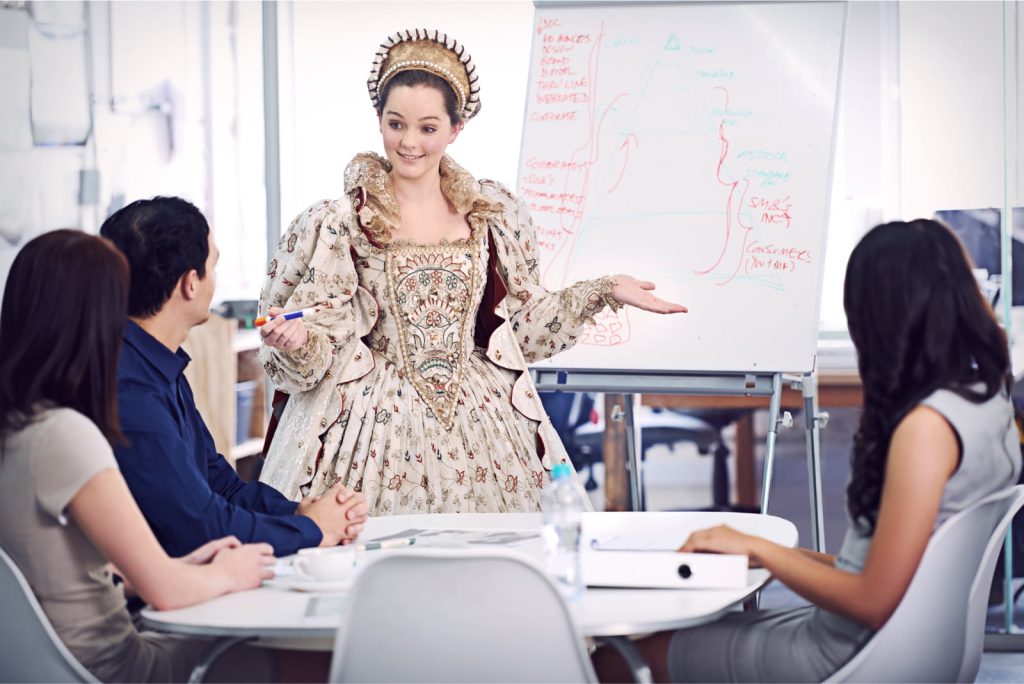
x=920 y=323
x=60 y=330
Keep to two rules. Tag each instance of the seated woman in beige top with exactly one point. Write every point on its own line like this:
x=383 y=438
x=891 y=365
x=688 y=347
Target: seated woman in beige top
x=65 y=512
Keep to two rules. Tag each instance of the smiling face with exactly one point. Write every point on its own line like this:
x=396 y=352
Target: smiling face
x=416 y=130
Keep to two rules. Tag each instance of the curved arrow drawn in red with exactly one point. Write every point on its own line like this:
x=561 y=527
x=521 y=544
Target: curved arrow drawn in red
x=625 y=160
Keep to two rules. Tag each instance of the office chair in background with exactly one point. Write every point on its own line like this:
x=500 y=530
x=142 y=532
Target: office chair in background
x=578 y=420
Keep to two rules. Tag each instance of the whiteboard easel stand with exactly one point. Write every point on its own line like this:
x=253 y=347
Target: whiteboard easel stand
x=814 y=421
x=706 y=384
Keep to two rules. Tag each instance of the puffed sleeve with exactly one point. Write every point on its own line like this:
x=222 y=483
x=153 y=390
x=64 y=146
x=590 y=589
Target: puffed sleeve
x=313 y=266
x=544 y=322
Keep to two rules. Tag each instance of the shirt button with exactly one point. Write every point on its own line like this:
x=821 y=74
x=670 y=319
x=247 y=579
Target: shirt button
x=529 y=394
x=323 y=422
x=358 y=356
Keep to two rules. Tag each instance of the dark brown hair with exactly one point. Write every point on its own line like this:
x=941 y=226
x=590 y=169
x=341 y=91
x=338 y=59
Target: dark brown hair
x=163 y=239
x=920 y=323
x=60 y=330
x=418 y=77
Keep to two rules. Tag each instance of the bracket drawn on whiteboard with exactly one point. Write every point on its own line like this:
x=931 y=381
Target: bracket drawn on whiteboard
x=691 y=144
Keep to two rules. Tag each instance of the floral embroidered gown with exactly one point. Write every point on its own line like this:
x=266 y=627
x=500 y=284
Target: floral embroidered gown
x=412 y=385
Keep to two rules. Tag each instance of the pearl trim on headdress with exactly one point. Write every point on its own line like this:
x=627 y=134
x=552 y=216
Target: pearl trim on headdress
x=464 y=84
x=429 y=66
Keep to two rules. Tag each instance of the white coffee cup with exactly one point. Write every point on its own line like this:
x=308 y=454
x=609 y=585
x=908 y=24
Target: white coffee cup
x=325 y=565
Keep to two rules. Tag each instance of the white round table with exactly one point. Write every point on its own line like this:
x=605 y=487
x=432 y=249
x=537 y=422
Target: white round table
x=310 y=619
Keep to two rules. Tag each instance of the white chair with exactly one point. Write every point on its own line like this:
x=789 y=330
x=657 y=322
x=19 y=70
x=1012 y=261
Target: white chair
x=937 y=632
x=457 y=616
x=30 y=650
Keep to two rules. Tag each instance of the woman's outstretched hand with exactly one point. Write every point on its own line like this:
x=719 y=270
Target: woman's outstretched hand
x=633 y=292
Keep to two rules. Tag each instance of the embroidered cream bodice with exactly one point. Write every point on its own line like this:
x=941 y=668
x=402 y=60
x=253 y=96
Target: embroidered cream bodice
x=433 y=293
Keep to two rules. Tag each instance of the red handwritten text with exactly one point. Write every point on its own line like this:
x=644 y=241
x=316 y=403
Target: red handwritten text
x=773 y=211
x=776 y=258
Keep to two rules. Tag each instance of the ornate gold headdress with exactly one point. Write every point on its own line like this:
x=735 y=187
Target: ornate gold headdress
x=430 y=51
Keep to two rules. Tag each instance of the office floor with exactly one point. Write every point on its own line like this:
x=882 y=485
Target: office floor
x=679 y=478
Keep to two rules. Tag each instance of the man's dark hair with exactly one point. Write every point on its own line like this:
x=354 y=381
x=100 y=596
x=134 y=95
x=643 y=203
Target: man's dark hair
x=163 y=238
x=60 y=330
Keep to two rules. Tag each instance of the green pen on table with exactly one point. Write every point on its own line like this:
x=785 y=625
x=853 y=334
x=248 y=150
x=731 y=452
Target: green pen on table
x=387 y=544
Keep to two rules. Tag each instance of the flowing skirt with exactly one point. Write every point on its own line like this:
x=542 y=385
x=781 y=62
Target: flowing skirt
x=387 y=444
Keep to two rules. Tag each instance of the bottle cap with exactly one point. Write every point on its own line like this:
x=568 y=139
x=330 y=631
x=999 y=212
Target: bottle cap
x=561 y=471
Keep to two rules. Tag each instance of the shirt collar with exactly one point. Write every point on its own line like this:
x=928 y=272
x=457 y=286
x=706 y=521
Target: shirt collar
x=169 y=364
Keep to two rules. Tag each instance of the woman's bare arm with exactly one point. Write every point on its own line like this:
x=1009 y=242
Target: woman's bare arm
x=923 y=454
x=108 y=515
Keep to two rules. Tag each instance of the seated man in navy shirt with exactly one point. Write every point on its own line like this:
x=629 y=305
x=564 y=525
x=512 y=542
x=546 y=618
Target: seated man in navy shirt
x=187 y=491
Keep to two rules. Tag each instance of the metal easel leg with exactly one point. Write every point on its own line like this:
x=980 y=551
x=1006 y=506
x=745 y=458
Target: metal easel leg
x=814 y=421
x=769 y=460
x=773 y=431
x=632 y=459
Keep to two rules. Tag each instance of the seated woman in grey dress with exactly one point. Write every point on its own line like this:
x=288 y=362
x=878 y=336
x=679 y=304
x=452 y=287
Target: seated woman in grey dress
x=65 y=510
x=936 y=435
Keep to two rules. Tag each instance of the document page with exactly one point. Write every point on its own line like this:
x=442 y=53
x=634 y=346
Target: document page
x=459 y=538
x=638 y=540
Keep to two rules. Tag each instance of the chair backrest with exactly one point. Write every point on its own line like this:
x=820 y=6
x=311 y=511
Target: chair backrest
x=457 y=616
x=977 y=602
x=937 y=631
x=30 y=650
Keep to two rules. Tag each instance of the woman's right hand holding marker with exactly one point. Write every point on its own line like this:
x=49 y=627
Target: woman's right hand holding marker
x=286 y=335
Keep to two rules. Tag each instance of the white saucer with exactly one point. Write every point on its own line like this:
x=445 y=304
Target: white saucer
x=295 y=583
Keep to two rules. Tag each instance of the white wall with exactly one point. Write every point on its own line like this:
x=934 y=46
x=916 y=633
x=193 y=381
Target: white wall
x=38 y=186
x=180 y=96
x=951 y=93
x=921 y=120
x=176 y=104
x=865 y=175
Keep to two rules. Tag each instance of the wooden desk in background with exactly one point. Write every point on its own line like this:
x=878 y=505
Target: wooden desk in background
x=836 y=389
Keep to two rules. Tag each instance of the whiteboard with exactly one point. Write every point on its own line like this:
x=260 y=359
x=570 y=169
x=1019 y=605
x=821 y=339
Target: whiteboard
x=689 y=144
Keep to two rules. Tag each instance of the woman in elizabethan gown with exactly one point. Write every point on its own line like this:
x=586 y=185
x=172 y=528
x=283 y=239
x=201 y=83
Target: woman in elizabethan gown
x=410 y=384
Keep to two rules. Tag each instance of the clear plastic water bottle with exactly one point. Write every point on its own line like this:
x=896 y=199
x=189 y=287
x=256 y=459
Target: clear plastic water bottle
x=562 y=509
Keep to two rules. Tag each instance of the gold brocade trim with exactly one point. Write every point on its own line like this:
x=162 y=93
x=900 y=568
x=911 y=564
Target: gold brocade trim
x=588 y=298
x=442 y=407
x=605 y=285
